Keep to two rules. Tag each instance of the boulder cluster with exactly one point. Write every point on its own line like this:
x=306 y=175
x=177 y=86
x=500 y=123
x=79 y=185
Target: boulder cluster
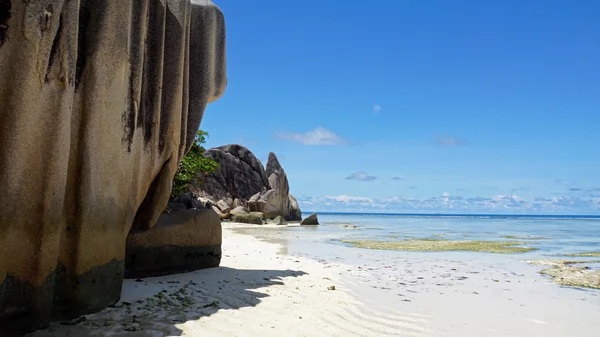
x=242 y=190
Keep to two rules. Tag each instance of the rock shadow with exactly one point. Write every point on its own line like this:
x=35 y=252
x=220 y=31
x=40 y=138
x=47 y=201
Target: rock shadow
x=154 y=306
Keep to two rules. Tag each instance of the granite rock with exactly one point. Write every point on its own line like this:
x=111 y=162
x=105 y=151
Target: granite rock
x=310 y=221
x=100 y=101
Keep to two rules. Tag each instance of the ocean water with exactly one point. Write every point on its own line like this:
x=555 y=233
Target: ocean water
x=502 y=291
x=553 y=236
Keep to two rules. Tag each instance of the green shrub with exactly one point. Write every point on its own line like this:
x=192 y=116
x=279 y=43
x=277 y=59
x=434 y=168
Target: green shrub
x=192 y=164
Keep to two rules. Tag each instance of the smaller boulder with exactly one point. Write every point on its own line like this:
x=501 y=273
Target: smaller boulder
x=238 y=210
x=237 y=202
x=204 y=203
x=273 y=202
x=221 y=215
x=278 y=220
x=310 y=221
x=255 y=197
x=257 y=206
x=223 y=206
x=255 y=218
x=188 y=199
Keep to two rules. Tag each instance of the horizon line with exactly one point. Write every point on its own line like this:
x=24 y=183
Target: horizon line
x=463 y=214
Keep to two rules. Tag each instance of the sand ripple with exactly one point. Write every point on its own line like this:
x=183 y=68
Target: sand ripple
x=256 y=292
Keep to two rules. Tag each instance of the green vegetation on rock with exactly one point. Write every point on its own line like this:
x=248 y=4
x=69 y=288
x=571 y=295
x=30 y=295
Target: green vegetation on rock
x=563 y=273
x=433 y=245
x=192 y=164
x=586 y=254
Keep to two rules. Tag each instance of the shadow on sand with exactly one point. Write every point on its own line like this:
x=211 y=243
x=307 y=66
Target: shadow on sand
x=154 y=306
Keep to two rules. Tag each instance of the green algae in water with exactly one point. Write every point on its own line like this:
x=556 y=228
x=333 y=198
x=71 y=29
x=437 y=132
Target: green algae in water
x=564 y=273
x=574 y=276
x=559 y=263
x=523 y=237
x=435 y=245
x=586 y=254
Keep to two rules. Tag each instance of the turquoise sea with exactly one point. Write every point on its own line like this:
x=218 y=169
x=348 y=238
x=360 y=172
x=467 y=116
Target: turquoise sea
x=551 y=235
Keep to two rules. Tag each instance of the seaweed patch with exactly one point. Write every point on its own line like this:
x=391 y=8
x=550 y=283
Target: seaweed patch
x=436 y=245
x=564 y=272
x=585 y=254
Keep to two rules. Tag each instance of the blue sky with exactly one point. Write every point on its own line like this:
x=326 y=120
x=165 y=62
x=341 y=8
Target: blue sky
x=419 y=106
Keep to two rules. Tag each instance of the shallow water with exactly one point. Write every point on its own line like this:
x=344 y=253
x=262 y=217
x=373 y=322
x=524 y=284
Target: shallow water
x=552 y=236
x=508 y=296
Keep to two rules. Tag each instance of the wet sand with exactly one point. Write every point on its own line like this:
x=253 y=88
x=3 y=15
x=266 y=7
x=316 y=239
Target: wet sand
x=456 y=293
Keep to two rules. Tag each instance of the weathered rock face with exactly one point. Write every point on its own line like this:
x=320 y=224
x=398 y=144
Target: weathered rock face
x=295 y=212
x=241 y=180
x=278 y=200
x=277 y=177
x=240 y=175
x=99 y=102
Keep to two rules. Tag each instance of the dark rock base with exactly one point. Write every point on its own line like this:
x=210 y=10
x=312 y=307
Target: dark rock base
x=60 y=297
x=180 y=242
x=157 y=261
x=28 y=309
x=87 y=293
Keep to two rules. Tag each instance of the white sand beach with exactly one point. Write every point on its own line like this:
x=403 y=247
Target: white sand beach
x=259 y=292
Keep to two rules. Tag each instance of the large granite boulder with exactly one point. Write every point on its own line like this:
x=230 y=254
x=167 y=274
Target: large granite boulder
x=179 y=242
x=239 y=175
x=241 y=180
x=278 y=200
x=100 y=100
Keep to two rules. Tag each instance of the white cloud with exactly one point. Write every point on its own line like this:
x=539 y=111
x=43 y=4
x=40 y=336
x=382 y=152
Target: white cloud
x=454 y=204
x=376 y=108
x=450 y=141
x=348 y=198
x=318 y=136
x=512 y=197
x=361 y=176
